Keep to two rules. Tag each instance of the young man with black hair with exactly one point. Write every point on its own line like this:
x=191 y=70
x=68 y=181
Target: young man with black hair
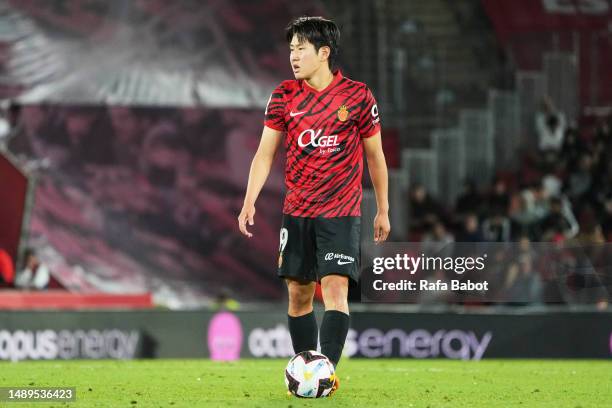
x=328 y=121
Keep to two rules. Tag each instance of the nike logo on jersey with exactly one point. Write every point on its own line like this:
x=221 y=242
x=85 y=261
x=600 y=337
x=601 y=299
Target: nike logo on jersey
x=344 y=262
x=294 y=114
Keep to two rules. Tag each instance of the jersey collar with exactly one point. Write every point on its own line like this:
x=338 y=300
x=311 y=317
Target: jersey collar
x=337 y=78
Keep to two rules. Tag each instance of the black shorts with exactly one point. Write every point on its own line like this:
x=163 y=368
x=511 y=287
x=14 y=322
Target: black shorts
x=311 y=248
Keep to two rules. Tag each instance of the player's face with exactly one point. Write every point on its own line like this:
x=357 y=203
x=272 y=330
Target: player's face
x=303 y=58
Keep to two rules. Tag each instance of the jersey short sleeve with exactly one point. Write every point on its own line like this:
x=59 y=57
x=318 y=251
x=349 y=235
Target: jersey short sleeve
x=275 y=110
x=369 y=121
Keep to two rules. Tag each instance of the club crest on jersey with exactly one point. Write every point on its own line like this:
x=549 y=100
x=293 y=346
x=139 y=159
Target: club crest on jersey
x=343 y=113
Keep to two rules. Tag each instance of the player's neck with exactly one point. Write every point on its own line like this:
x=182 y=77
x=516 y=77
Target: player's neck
x=321 y=79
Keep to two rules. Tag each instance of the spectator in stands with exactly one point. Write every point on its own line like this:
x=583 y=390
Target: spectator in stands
x=573 y=148
x=7 y=270
x=533 y=207
x=470 y=199
x=552 y=182
x=603 y=140
x=550 y=127
x=523 y=283
x=423 y=210
x=581 y=180
x=35 y=274
x=437 y=240
x=498 y=200
x=559 y=222
x=497 y=228
x=471 y=230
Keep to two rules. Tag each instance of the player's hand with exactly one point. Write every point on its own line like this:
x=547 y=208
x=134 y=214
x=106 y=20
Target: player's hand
x=382 y=227
x=246 y=215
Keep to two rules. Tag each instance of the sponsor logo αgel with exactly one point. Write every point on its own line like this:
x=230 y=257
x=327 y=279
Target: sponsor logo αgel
x=314 y=138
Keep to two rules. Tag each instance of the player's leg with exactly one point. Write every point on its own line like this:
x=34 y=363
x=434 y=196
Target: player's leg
x=296 y=265
x=335 y=324
x=334 y=289
x=301 y=317
x=338 y=260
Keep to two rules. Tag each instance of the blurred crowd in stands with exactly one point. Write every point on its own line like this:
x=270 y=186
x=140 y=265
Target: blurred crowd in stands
x=563 y=191
x=146 y=197
x=561 y=194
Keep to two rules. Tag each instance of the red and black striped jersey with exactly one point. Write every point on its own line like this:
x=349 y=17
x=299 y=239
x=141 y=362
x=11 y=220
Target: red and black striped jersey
x=323 y=132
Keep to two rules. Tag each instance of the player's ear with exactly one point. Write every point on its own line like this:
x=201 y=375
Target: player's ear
x=324 y=52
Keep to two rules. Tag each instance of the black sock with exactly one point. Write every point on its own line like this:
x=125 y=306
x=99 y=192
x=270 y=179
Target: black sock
x=303 y=330
x=334 y=329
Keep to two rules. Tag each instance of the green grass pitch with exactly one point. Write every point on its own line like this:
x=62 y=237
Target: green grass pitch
x=364 y=383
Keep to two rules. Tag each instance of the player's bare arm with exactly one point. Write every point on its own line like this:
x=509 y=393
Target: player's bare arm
x=260 y=169
x=378 y=173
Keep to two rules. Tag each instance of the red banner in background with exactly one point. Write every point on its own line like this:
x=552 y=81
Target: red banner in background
x=530 y=28
x=519 y=16
x=13 y=188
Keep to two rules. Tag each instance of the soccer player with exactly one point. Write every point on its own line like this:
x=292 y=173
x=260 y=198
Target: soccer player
x=326 y=121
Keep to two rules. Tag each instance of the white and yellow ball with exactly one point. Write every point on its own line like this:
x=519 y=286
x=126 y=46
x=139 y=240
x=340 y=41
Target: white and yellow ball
x=309 y=374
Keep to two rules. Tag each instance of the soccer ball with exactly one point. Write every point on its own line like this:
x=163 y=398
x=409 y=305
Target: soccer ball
x=309 y=374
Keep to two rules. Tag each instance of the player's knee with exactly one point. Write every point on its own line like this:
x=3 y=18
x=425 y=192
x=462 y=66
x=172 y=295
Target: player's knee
x=335 y=292
x=335 y=301
x=300 y=300
x=300 y=297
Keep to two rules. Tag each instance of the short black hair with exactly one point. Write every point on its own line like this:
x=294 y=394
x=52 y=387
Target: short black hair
x=318 y=31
